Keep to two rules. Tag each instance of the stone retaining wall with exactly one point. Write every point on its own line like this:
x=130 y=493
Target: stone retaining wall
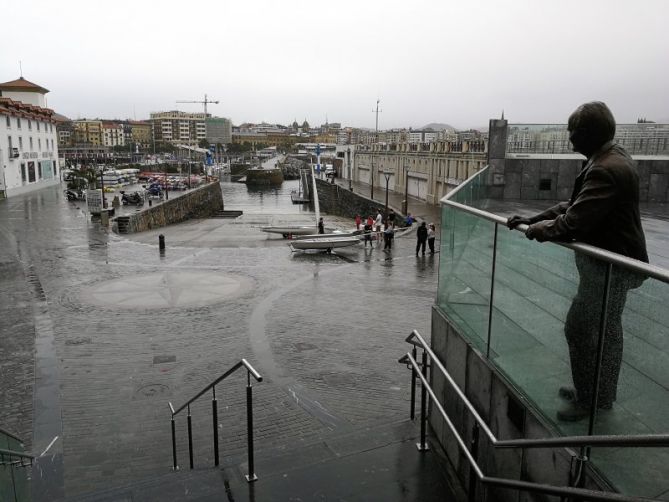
x=202 y=202
x=339 y=201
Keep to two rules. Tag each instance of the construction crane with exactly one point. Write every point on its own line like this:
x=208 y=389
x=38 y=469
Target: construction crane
x=202 y=102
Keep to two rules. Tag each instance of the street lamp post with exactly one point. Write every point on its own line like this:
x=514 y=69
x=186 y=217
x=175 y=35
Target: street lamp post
x=386 y=174
x=350 y=175
x=372 y=178
x=406 y=189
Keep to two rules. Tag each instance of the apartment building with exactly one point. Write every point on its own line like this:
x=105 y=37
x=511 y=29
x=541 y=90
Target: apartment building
x=28 y=139
x=179 y=127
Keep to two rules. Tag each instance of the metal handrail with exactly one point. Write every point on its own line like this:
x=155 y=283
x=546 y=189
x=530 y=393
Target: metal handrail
x=649 y=440
x=607 y=256
x=13 y=453
x=10 y=434
x=225 y=375
x=250 y=371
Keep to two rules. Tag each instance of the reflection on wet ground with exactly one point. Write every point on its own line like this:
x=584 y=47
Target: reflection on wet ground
x=122 y=320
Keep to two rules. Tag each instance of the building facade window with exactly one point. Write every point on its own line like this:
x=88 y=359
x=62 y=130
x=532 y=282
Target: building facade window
x=18 y=122
x=37 y=126
x=21 y=143
x=31 y=143
x=9 y=143
x=30 y=125
x=9 y=122
x=39 y=144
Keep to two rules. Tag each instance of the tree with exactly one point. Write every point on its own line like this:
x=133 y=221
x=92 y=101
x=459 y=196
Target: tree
x=203 y=143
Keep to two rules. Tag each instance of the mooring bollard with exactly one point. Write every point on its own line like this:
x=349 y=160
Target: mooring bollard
x=161 y=242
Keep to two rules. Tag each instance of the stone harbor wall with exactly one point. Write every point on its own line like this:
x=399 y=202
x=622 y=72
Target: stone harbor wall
x=340 y=201
x=202 y=202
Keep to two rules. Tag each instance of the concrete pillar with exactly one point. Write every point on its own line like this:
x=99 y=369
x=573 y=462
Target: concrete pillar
x=497 y=133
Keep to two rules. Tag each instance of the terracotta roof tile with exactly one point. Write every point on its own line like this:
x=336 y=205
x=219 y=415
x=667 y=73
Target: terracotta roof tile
x=21 y=84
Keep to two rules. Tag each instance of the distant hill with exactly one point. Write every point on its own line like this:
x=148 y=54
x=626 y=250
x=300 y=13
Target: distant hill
x=436 y=126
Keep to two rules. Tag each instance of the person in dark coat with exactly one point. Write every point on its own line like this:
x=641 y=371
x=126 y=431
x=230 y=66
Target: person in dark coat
x=321 y=227
x=603 y=211
x=421 y=235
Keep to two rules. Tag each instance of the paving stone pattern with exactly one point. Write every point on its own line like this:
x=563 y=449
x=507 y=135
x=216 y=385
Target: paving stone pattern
x=325 y=331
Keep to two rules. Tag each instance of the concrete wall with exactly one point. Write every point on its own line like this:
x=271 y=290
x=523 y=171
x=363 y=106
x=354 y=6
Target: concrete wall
x=505 y=412
x=551 y=177
x=199 y=203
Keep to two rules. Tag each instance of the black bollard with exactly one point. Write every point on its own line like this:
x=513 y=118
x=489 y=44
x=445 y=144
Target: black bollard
x=161 y=242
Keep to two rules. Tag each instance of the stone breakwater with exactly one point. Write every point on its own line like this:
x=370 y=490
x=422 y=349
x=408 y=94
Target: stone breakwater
x=202 y=202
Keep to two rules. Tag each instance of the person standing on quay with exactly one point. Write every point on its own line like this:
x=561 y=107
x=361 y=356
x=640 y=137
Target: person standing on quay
x=604 y=212
x=358 y=221
x=321 y=227
x=421 y=235
x=388 y=235
x=431 y=235
x=378 y=223
x=368 y=232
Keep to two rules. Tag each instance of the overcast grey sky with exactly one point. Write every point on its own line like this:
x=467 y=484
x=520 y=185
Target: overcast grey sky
x=459 y=62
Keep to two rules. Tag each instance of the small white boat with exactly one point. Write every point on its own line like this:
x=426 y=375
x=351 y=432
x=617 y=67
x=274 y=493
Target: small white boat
x=326 y=244
x=326 y=236
x=288 y=230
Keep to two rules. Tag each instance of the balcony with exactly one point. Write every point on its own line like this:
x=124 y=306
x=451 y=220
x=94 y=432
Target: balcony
x=508 y=298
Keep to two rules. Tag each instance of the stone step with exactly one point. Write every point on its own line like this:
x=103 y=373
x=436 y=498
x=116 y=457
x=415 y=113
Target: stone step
x=227 y=214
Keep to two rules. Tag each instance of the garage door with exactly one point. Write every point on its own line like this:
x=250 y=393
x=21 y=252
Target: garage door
x=417 y=187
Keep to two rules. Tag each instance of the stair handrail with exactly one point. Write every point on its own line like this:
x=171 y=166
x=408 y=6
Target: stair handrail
x=250 y=371
x=13 y=453
x=10 y=434
x=420 y=370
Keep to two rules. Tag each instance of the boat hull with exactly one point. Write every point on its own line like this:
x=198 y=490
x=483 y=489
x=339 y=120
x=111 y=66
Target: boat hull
x=329 y=243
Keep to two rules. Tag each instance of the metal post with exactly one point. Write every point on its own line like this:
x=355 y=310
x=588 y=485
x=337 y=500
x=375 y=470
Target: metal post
x=350 y=174
x=385 y=213
x=474 y=450
x=406 y=190
x=174 y=445
x=492 y=289
x=251 y=476
x=161 y=242
x=372 y=179
x=600 y=351
x=214 y=411
x=413 y=384
x=423 y=446
x=190 y=438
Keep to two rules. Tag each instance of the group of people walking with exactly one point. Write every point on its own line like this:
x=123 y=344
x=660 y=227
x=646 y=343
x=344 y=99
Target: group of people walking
x=373 y=228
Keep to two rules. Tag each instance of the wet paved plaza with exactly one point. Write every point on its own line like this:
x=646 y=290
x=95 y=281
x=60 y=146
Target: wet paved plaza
x=100 y=331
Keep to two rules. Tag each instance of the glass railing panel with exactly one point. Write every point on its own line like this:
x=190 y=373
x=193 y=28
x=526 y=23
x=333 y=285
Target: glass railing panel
x=465 y=273
x=534 y=288
x=7 y=491
x=642 y=398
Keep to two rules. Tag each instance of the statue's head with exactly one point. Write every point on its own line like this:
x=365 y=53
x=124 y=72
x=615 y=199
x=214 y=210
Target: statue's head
x=590 y=126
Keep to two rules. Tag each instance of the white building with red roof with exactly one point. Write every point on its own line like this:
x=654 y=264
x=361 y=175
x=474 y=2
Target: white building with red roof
x=28 y=139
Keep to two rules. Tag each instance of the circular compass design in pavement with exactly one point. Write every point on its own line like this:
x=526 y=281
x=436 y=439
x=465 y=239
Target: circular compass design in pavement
x=169 y=289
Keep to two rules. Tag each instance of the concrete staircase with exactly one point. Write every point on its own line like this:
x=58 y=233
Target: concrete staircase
x=380 y=463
